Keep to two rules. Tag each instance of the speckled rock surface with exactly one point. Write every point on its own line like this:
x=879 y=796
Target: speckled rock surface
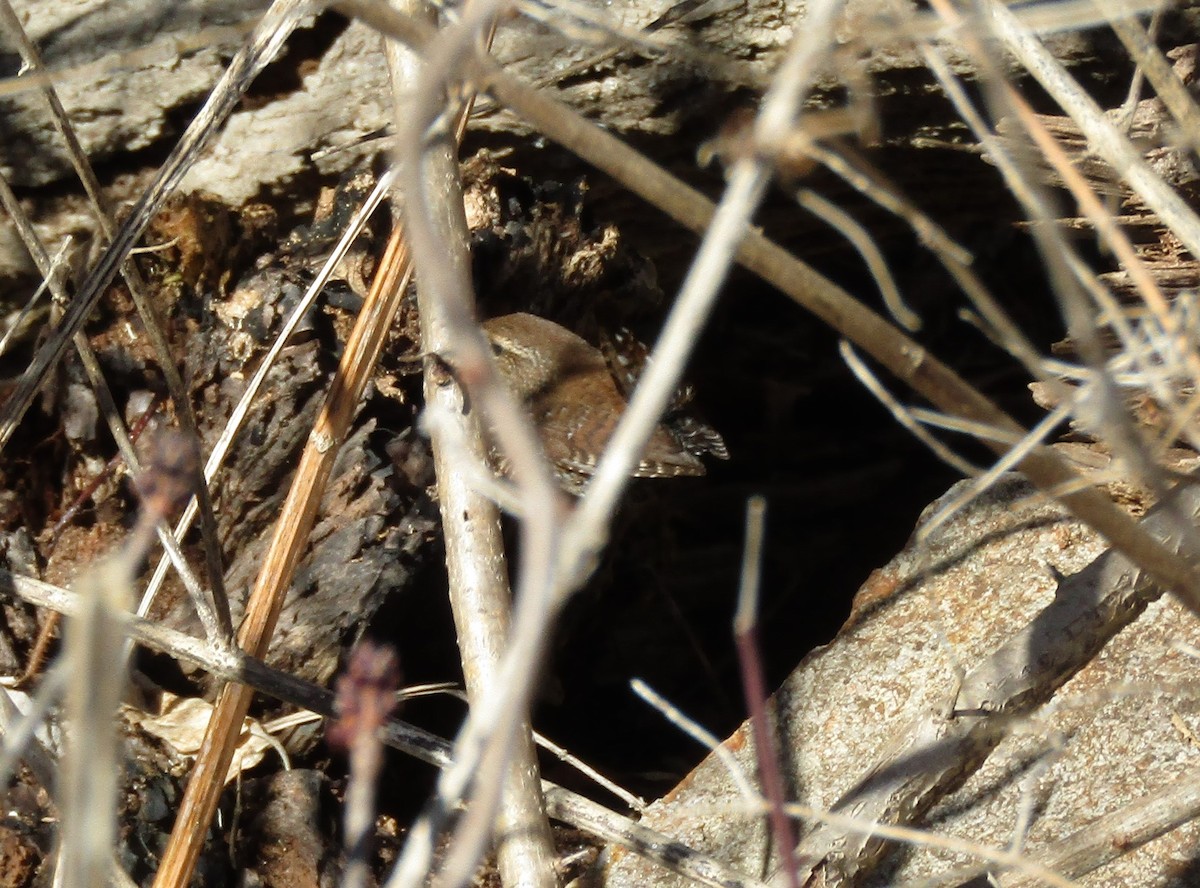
x=1115 y=732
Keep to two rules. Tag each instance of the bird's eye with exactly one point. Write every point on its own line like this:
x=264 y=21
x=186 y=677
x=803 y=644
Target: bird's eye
x=497 y=348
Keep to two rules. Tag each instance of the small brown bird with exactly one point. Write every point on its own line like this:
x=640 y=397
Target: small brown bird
x=575 y=403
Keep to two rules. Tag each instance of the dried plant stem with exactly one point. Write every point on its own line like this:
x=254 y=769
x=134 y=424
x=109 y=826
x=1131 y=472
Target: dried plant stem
x=236 y=419
x=366 y=697
x=902 y=415
x=493 y=726
x=18 y=730
x=1114 y=834
x=366 y=764
x=1106 y=415
x=858 y=236
x=208 y=613
x=1151 y=63
x=1102 y=134
x=279 y=564
x=96 y=658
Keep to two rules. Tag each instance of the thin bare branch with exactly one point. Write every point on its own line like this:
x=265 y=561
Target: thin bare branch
x=237 y=666
x=507 y=803
x=145 y=308
x=268 y=37
x=754 y=685
x=287 y=546
x=202 y=599
x=902 y=414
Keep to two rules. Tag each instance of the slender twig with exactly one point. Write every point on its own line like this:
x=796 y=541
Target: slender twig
x=19 y=734
x=96 y=657
x=201 y=598
x=1105 y=412
x=1102 y=134
x=903 y=416
x=265 y=42
x=982 y=481
x=233 y=665
x=41 y=647
x=241 y=410
x=366 y=696
x=283 y=555
x=475 y=559
x=145 y=309
x=496 y=728
x=705 y=738
x=841 y=221
x=754 y=685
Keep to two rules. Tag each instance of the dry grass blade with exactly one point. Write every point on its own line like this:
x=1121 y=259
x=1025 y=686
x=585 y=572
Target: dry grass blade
x=746 y=638
x=18 y=729
x=287 y=546
x=903 y=415
x=254 y=387
x=872 y=256
x=1126 y=381
x=213 y=616
x=96 y=659
x=936 y=749
x=1102 y=134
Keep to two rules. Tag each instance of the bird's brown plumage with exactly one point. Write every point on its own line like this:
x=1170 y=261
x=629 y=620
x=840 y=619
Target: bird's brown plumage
x=573 y=400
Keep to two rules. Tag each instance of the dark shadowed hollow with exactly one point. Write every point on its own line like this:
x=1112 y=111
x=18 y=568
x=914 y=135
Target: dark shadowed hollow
x=844 y=486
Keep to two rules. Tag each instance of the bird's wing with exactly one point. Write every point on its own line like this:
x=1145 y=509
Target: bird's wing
x=574 y=439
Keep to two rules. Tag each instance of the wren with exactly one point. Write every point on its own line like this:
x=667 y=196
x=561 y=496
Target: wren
x=576 y=397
